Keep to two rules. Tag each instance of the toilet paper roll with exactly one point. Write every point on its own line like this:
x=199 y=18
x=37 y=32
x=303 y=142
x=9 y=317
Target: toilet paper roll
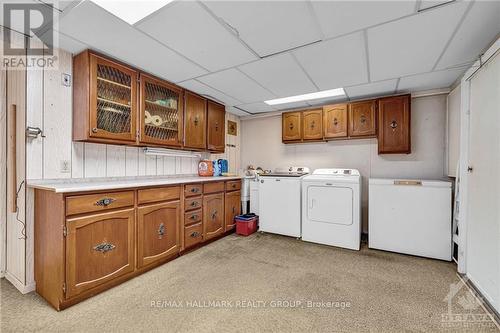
x=147 y=117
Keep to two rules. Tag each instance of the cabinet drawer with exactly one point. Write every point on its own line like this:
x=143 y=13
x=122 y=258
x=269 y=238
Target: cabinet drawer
x=192 y=203
x=158 y=194
x=192 y=217
x=193 y=235
x=98 y=202
x=213 y=187
x=192 y=189
x=233 y=185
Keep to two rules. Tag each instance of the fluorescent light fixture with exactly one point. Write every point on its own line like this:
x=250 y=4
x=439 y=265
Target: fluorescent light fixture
x=305 y=97
x=131 y=11
x=170 y=152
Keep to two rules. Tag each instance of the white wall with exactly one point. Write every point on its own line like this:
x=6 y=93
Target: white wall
x=453 y=131
x=262 y=146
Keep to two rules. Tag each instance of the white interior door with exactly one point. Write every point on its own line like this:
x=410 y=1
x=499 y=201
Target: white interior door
x=483 y=222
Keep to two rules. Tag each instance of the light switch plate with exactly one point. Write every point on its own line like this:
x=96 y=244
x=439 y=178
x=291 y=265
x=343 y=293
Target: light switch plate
x=65 y=166
x=66 y=79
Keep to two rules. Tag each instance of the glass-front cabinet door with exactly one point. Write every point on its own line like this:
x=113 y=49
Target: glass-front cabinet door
x=161 y=112
x=113 y=98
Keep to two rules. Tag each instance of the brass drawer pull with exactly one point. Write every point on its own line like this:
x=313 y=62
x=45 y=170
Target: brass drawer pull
x=104 y=247
x=194 y=203
x=214 y=214
x=161 y=231
x=104 y=202
x=233 y=186
x=195 y=234
x=194 y=217
x=195 y=190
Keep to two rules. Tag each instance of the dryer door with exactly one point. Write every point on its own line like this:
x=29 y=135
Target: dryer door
x=330 y=204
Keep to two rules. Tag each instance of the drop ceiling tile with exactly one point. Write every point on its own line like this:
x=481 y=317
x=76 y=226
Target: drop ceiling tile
x=64 y=42
x=413 y=44
x=280 y=74
x=372 y=89
x=188 y=28
x=479 y=28
x=234 y=83
x=237 y=111
x=256 y=107
x=335 y=63
x=116 y=38
x=432 y=80
x=209 y=92
x=269 y=27
x=336 y=17
x=425 y=4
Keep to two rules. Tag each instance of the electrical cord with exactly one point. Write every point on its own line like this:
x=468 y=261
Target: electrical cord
x=23 y=230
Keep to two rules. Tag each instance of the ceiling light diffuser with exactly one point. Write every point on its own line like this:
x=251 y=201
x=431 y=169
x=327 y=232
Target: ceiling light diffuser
x=131 y=11
x=306 y=97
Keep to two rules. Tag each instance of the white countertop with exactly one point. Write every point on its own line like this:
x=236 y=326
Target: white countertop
x=98 y=184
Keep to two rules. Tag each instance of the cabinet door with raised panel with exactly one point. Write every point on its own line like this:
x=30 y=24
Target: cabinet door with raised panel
x=362 y=119
x=233 y=208
x=157 y=232
x=335 y=121
x=312 y=124
x=291 y=126
x=99 y=248
x=113 y=104
x=216 y=135
x=394 y=125
x=161 y=112
x=213 y=215
x=195 y=129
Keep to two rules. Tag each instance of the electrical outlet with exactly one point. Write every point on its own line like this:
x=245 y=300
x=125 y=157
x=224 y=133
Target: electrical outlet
x=66 y=79
x=65 y=166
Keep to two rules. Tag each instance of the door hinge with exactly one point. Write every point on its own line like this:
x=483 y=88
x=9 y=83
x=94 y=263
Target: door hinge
x=64 y=287
x=65 y=231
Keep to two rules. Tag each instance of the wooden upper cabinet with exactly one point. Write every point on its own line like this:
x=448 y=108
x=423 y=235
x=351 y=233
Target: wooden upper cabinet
x=161 y=113
x=216 y=130
x=394 y=125
x=291 y=126
x=99 y=248
x=195 y=129
x=104 y=100
x=213 y=215
x=157 y=232
x=335 y=121
x=312 y=124
x=362 y=118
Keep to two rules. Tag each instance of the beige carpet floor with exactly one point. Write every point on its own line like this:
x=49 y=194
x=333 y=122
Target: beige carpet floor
x=265 y=283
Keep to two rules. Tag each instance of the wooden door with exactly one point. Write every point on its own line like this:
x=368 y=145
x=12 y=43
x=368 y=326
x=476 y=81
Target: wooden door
x=335 y=121
x=362 y=119
x=232 y=207
x=394 y=125
x=99 y=248
x=213 y=215
x=291 y=126
x=216 y=135
x=195 y=130
x=312 y=124
x=157 y=232
x=161 y=112
x=113 y=103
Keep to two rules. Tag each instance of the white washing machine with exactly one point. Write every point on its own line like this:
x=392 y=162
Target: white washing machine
x=331 y=208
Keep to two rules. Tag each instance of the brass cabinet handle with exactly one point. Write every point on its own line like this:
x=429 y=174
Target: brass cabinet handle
x=104 y=202
x=313 y=124
x=193 y=217
x=362 y=119
x=104 y=247
x=291 y=126
x=393 y=124
x=194 y=203
x=161 y=230
x=233 y=186
x=335 y=121
x=195 y=234
x=195 y=190
x=234 y=210
x=216 y=126
x=214 y=214
x=196 y=121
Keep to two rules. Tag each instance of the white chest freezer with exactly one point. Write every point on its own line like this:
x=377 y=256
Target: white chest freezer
x=411 y=217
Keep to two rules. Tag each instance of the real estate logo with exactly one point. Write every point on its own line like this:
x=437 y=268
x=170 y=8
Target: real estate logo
x=29 y=38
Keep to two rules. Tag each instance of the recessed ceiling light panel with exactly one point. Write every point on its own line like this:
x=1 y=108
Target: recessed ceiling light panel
x=306 y=97
x=131 y=11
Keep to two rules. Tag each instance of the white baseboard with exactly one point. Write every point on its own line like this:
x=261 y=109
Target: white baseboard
x=24 y=289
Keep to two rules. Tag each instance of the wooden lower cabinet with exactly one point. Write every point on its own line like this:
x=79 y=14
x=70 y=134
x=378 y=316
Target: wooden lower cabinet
x=99 y=248
x=157 y=232
x=80 y=251
x=213 y=215
x=232 y=204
